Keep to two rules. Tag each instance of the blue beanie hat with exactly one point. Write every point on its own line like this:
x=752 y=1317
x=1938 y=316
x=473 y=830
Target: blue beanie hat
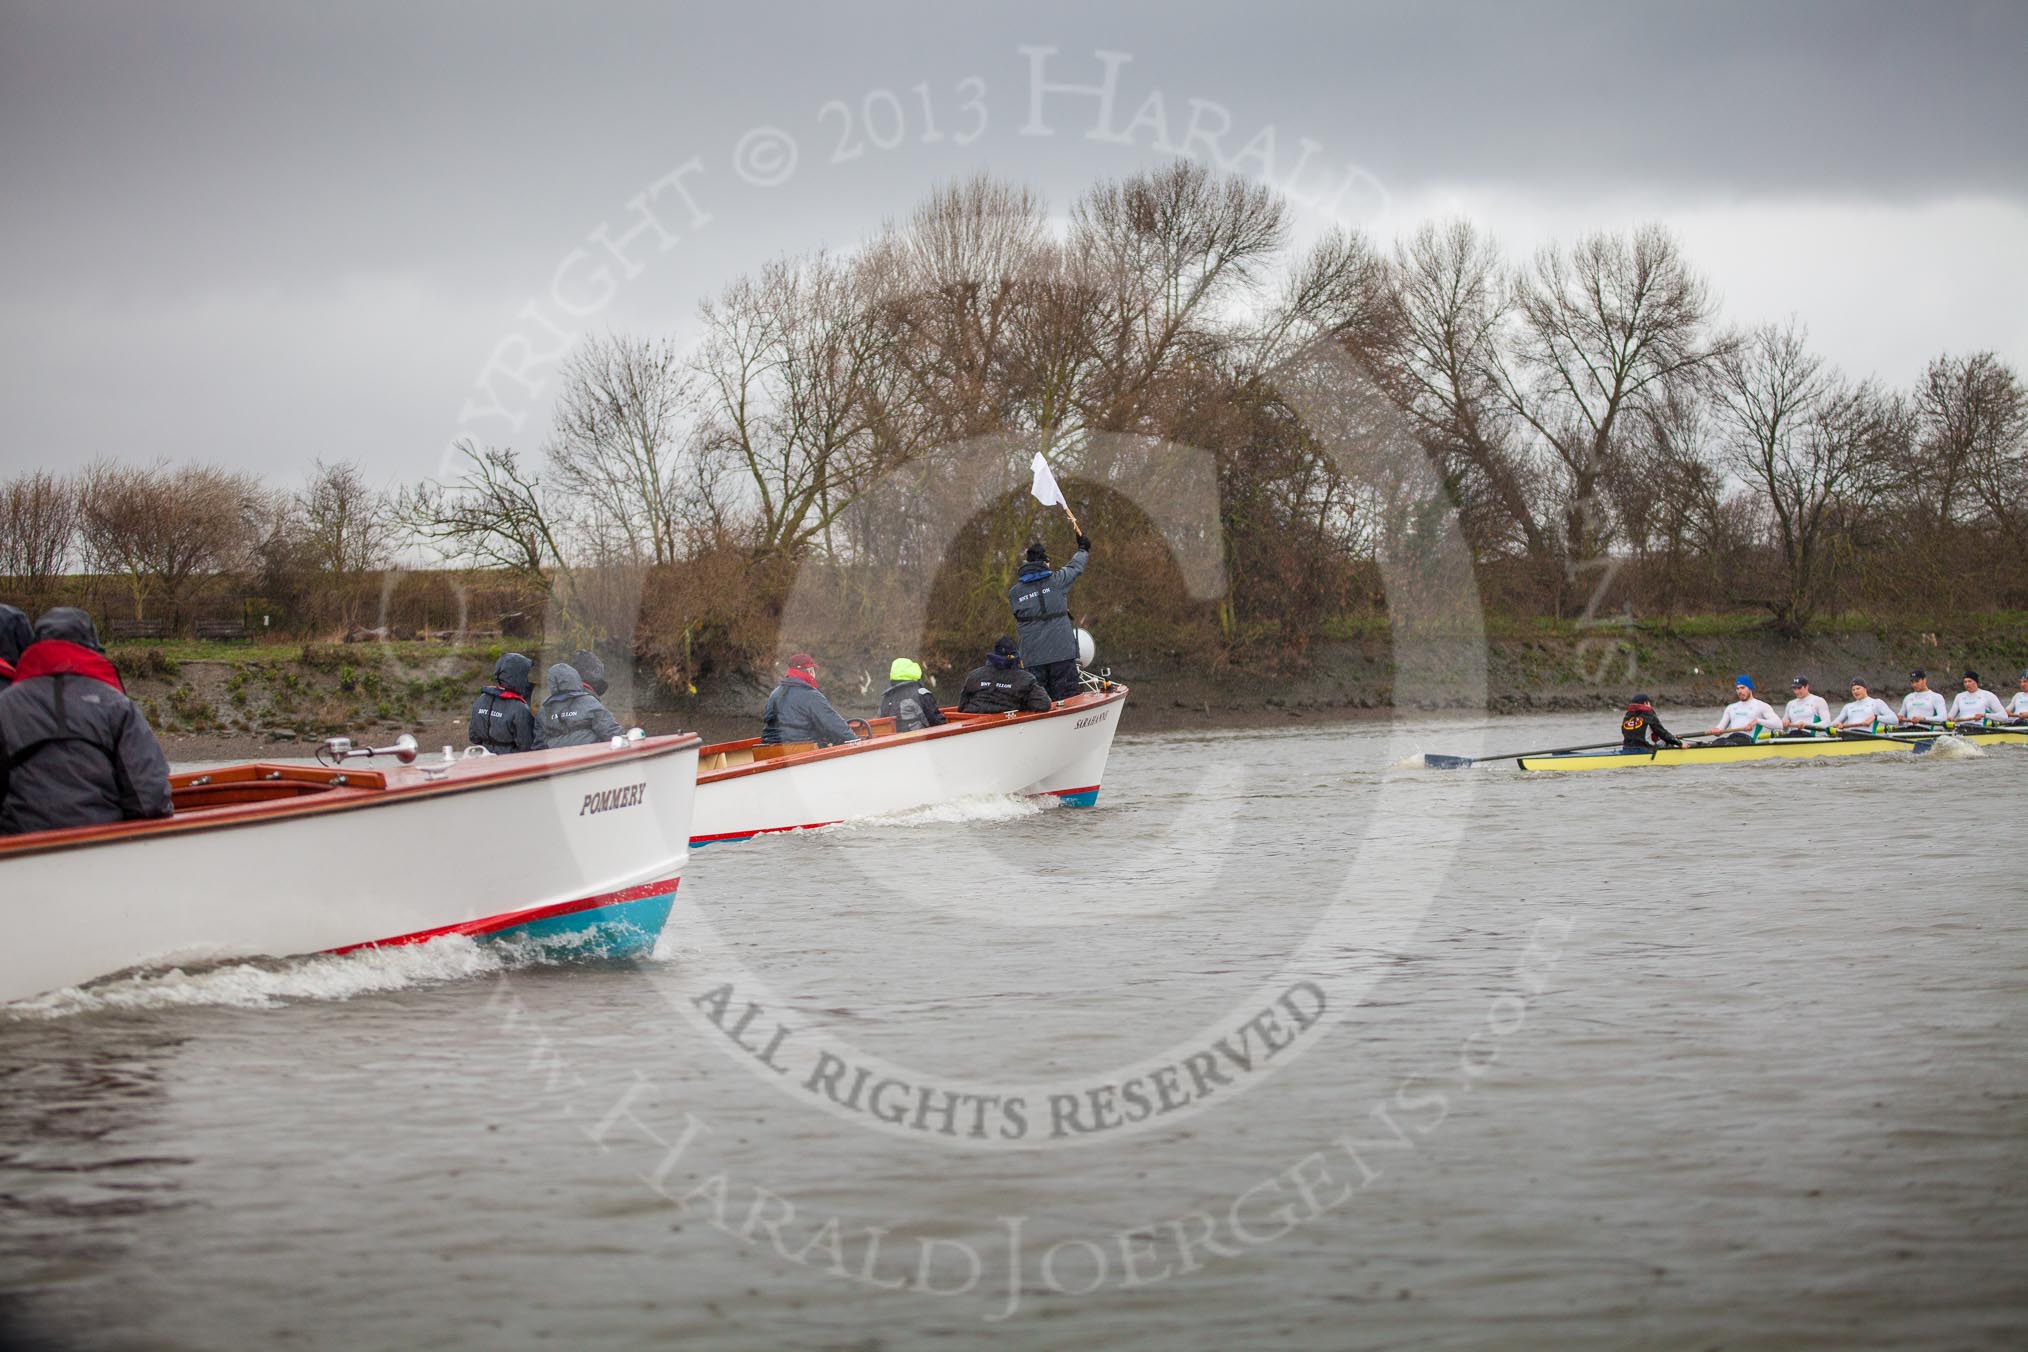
x=1743 y=679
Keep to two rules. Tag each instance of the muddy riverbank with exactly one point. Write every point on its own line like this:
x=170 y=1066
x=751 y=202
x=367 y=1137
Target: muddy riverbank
x=280 y=700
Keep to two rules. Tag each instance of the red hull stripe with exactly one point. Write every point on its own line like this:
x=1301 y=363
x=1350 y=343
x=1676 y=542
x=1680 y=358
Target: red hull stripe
x=492 y=924
x=763 y=831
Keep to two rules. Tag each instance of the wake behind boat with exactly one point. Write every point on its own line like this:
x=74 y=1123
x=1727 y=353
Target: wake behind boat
x=745 y=789
x=583 y=845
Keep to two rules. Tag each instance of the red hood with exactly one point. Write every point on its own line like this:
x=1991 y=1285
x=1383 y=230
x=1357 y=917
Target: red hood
x=1640 y=708
x=798 y=674
x=55 y=657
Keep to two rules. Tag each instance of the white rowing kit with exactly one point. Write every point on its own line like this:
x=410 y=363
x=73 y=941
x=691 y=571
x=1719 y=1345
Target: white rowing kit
x=1746 y=713
x=1810 y=709
x=2018 y=706
x=1922 y=704
x=1868 y=710
x=1972 y=705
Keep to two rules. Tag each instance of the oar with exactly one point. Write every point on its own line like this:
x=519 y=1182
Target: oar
x=1432 y=761
x=1862 y=735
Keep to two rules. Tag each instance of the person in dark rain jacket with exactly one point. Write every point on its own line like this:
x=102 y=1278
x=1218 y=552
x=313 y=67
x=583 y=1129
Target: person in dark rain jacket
x=572 y=714
x=502 y=720
x=1641 y=730
x=74 y=751
x=911 y=704
x=1002 y=685
x=591 y=671
x=798 y=712
x=1041 y=601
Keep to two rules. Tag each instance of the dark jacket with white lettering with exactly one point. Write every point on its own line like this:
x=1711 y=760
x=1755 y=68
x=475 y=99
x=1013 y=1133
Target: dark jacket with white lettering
x=1041 y=601
x=572 y=715
x=74 y=751
x=502 y=721
x=1000 y=687
x=911 y=705
x=798 y=712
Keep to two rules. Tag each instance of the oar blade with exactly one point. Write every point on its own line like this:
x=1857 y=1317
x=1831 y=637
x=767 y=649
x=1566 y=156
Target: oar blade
x=1432 y=761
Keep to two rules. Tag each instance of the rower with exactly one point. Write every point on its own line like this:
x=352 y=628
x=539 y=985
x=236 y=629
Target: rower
x=1921 y=705
x=1976 y=705
x=2018 y=706
x=1865 y=712
x=1805 y=712
x=1641 y=732
x=1742 y=720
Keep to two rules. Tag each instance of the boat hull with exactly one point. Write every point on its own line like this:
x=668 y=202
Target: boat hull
x=582 y=847
x=1061 y=754
x=1801 y=749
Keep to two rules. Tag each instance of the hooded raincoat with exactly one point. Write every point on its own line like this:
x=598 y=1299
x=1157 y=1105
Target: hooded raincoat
x=502 y=720
x=572 y=714
x=74 y=751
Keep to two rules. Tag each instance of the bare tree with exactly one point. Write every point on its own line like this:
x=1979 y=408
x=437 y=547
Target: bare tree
x=1339 y=291
x=347 y=523
x=165 y=530
x=1972 y=430
x=624 y=454
x=1811 y=444
x=1673 y=499
x=798 y=381
x=953 y=282
x=1599 y=328
x=38 y=531
x=1164 y=251
x=1450 y=306
x=494 y=515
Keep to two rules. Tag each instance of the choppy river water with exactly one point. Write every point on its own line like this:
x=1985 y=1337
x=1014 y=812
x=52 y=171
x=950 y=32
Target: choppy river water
x=1277 y=1045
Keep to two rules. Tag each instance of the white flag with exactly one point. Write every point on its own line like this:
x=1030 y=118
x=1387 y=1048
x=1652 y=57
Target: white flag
x=1045 y=490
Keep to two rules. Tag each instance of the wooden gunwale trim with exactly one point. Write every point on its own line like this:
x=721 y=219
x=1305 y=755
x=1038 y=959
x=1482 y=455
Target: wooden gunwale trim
x=347 y=797
x=1076 y=704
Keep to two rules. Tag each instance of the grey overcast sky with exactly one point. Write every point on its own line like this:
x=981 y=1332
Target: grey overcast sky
x=259 y=233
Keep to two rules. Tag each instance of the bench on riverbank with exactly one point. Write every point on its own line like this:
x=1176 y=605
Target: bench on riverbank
x=126 y=629
x=226 y=630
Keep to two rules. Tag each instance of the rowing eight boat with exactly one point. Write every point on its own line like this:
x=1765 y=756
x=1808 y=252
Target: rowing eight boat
x=1796 y=748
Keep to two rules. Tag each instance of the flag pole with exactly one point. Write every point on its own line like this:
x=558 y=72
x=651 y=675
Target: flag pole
x=1056 y=495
